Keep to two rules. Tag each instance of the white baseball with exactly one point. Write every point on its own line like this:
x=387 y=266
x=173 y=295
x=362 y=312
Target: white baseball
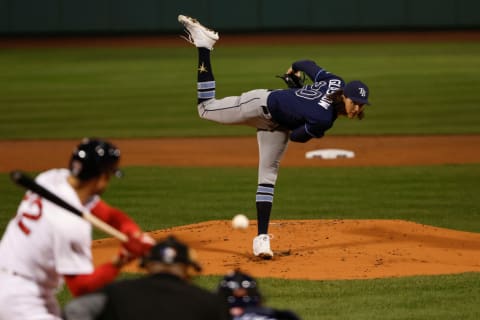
x=240 y=221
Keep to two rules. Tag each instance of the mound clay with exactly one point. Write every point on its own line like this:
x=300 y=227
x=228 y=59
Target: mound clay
x=326 y=249
x=314 y=249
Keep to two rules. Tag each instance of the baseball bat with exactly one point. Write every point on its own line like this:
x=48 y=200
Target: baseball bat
x=28 y=183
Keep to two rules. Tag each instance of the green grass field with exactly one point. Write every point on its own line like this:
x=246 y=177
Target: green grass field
x=150 y=92
x=422 y=88
x=158 y=198
x=434 y=297
x=439 y=195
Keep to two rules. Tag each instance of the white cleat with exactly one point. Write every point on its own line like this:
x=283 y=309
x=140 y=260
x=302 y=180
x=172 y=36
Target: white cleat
x=197 y=34
x=261 y=246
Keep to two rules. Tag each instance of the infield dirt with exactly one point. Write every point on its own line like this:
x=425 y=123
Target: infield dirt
x=314 y=249
x=326 y=249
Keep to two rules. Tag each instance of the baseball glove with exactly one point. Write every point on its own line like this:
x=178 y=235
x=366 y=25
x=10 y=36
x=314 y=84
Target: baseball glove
x=292 y=80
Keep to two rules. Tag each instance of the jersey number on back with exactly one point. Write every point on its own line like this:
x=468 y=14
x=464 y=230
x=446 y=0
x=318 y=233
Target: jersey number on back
x=315 y=91
x=30 y=209
x=312 y=91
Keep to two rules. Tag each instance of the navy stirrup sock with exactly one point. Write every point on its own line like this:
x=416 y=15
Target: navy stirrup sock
x=264 y=202
x=205 y=79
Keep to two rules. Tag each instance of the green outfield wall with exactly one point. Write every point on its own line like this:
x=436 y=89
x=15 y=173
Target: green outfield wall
x=159 y=16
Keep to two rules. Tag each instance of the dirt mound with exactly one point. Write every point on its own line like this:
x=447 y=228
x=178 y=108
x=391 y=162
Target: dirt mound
x=326 y=249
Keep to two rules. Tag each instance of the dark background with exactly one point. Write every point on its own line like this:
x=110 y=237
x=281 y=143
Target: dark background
x=18 y=17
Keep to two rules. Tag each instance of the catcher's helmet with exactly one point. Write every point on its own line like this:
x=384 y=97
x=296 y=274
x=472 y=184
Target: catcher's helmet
x=92 y=157
x=239 y=290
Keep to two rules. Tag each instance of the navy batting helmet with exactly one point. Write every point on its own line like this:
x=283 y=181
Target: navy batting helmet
x=92 y=157
x=239 y=289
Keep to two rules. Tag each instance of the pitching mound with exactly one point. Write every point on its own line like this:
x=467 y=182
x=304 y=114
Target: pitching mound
x=325 y=249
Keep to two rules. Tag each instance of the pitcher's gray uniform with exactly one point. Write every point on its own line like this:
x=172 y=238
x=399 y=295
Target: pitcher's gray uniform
x=298 y=115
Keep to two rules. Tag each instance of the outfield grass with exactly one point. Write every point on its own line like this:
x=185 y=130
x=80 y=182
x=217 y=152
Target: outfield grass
x=160 y=197
x=421 y=88
x=428 y=88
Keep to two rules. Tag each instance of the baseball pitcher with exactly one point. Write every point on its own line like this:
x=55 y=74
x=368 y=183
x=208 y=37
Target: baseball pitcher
x=295 y=114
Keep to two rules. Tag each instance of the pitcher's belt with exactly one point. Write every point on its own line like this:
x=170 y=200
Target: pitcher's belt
x=266 y=111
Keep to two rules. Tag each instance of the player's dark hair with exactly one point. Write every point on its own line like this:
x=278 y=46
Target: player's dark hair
x=337 y=101
x=336 y=97
x=339 y=105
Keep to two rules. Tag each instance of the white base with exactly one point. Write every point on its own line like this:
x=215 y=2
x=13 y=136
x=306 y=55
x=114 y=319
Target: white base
x=329 y=154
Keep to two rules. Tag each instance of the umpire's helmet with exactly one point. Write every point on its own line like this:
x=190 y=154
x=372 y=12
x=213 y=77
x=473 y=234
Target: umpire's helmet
x=239 y=290
x=92 y=157
x=172 y=251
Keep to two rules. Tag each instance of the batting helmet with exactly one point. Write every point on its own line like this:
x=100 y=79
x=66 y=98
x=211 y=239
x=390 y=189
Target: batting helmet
x=92 y=157
x=239 y=289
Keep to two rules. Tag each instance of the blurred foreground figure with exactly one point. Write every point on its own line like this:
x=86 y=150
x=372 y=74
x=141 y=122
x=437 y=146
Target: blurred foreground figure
x=164 y=293
x=241 y=293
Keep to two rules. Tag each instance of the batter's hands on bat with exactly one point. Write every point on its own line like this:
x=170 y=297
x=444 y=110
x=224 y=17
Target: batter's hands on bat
x=138 y=244
x=123 y=257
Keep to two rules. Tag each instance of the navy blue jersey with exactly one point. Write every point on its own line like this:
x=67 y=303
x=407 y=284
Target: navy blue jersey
x=306 y=111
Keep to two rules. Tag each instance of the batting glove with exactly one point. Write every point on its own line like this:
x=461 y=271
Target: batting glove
x=138 y=244
x=123 y=257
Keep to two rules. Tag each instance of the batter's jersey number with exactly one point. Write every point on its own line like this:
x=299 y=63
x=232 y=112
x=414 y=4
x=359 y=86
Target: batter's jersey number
x=30 y=209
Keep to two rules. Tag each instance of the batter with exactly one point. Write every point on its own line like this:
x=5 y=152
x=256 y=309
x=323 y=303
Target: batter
x=44 y=245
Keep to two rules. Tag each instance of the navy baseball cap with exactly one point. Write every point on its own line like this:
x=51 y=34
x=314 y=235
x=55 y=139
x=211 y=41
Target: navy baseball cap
x=172 y=251
x=357 y=91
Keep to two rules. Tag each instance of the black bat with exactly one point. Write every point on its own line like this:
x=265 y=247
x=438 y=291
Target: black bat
x=28 y=183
